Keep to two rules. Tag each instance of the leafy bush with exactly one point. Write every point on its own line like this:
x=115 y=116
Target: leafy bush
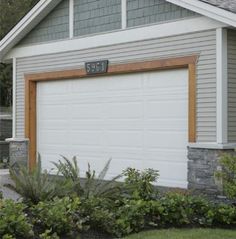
x=138 y=184
x=91 y=185
x=13 y=220
x=57 y=215
x=36 y=185
x=49 y=235
x=228 y=175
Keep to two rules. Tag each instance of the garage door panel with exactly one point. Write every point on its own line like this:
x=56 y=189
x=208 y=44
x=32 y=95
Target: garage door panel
x=53 y=112
x=127 y=83
x=166 y=124
x=166 y=109
x=125 y=110
x=166 y=79
x=159 y=139
x=138 y=120
x=86 y=111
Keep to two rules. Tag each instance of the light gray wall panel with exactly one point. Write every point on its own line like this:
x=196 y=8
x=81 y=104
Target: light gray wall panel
x=232 y=86
x=54 y=27
x=201 y=43
x=141 y=12
x=96 y=16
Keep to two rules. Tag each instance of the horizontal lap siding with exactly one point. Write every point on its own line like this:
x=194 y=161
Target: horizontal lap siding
x=202 y=43
x=232 y=86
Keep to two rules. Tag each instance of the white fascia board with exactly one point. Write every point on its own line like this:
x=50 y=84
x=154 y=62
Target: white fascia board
x=37 y=13
x=221 y=86
x=124 y=13
x=14 y=98
x=118 y=37
x=71 y=18
x=208 y=10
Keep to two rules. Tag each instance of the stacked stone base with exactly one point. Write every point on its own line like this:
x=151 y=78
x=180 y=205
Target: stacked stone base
x=202 y=165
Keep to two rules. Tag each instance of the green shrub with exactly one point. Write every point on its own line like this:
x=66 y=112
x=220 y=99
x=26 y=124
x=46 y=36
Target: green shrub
x=49 y=235
x=91 y=185
x=228 y=175
x=7 y=236
x=13 y=220
x=36 y=185
x=139 y=184
x=57 y=215
x=224 y=215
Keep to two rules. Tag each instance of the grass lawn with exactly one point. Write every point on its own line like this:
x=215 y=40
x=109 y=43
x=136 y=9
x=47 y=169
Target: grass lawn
x=186 y=234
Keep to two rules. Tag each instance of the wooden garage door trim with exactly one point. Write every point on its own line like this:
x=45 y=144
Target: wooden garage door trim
x=173 y=63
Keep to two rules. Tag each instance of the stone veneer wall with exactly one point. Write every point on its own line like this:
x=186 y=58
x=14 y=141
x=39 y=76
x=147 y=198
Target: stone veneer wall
x=202 y=166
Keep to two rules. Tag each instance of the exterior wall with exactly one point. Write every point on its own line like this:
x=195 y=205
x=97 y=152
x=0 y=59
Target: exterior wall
x=232 y=86
x=140 y=12
x=54 y=27
x=96 y=16
x=201 y=43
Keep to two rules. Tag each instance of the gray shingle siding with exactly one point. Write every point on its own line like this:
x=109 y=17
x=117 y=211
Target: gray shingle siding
x=96 y=16
x=54 y=27
x=141 y=12
x=232 y=86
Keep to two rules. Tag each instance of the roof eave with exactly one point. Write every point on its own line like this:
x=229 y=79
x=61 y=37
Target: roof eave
x=208 y=10
x=26 y=24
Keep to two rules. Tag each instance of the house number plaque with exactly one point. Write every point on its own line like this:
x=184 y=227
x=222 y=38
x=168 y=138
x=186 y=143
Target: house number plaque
x=96 y=67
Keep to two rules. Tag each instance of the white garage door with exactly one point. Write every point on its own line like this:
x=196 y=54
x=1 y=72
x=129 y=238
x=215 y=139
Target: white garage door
x=138 y=120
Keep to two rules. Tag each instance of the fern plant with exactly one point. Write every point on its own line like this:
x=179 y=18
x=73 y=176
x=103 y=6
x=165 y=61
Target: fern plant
x=91 y=185
x=36 y=185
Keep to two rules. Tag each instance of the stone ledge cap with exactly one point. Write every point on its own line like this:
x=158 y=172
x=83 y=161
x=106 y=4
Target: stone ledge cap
x=17 y=140
x=212 y=146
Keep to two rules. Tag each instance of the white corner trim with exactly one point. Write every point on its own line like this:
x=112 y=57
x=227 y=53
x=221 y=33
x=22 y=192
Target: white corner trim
x=208 y=10
x=118 y=37
x=212 y=146
x=71 y=18
x=14 y=98
x=124 y=13
x=221 y=86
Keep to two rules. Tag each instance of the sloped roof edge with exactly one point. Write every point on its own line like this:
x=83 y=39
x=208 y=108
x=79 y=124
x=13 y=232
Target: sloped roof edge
x=27 y=23
x=207 y=10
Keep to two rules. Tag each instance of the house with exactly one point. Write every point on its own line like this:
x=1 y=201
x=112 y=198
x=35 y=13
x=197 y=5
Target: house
x=148 y=83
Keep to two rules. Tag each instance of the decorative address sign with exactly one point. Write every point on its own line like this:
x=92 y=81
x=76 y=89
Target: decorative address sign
x=96 y=67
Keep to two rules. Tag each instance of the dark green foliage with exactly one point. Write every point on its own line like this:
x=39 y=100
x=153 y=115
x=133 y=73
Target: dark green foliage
x=36 y=185
x=92 y=185
x=57 y=215
x=139 y=184
x=14 y=221
x=228 y=175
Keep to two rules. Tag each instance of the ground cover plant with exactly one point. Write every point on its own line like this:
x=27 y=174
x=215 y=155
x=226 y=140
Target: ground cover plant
x=83 y=209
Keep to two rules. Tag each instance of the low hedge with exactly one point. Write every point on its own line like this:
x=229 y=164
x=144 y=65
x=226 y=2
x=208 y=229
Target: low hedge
x=69 y=217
